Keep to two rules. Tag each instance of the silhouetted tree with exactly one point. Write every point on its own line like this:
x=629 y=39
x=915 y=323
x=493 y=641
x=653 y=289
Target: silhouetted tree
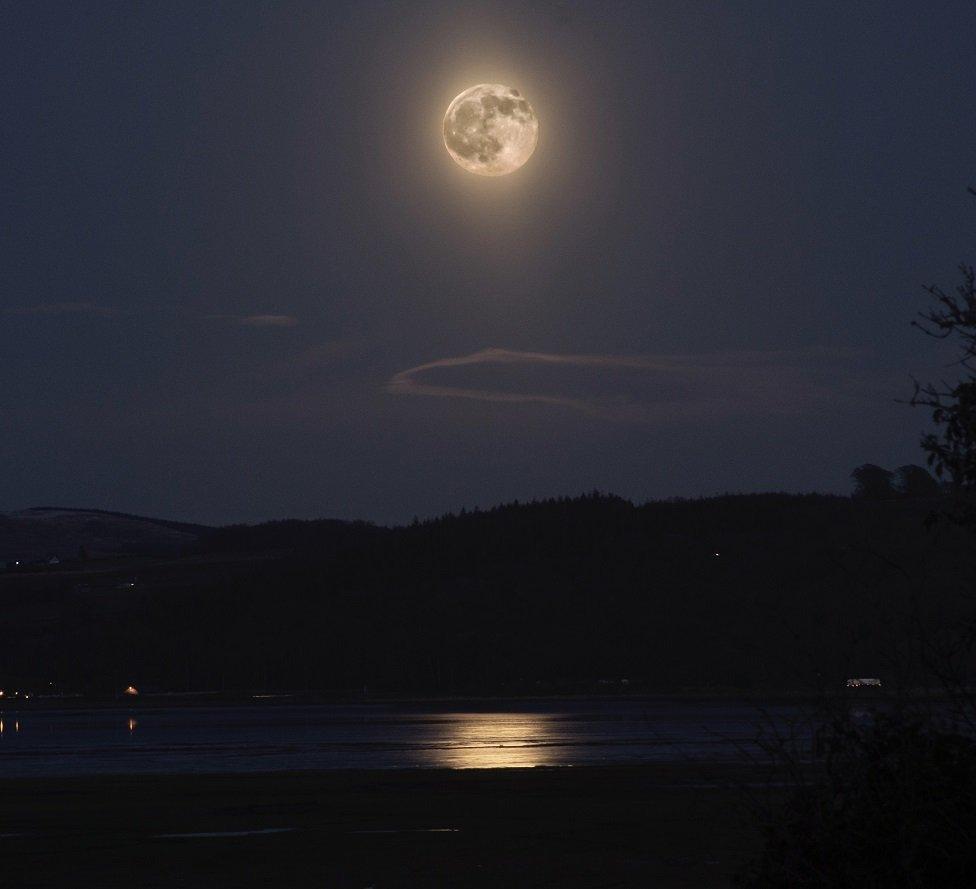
x=889 y=799
x=952 y=450
x=916 y=481
x=873 y=482
x=894 y=807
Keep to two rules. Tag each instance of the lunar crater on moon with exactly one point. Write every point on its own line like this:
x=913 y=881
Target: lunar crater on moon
x=490 y=129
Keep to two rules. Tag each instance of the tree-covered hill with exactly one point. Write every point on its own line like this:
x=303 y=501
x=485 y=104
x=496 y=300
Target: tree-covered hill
x=755 y=592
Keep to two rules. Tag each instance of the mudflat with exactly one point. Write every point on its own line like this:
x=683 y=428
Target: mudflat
x=654 y=825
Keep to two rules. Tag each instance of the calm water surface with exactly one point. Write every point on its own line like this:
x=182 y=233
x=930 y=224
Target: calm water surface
x=279 y=738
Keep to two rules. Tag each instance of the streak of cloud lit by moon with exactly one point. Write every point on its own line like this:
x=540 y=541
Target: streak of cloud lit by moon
x=671 y=386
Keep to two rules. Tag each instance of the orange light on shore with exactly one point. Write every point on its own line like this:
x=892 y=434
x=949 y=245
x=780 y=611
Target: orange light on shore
x=132 y=691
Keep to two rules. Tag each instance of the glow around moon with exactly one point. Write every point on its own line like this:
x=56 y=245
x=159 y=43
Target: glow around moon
x=490 y=129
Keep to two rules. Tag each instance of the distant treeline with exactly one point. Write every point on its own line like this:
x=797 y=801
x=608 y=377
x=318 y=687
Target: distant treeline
x=757 y=592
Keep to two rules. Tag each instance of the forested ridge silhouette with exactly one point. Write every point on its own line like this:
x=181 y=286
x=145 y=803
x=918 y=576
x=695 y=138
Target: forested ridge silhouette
x=747 y=592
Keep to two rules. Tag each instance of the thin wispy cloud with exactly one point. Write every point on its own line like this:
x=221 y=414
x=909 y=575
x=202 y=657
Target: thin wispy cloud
x=650 y=387
x=64 y=308
x=53 y=310
x=409 y=382
x=262 y=320
x=268 y=321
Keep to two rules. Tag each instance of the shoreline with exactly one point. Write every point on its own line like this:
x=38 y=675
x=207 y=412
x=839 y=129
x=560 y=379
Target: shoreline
x=215 y=700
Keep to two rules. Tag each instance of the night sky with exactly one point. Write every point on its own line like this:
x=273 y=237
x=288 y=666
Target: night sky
x=241 y=278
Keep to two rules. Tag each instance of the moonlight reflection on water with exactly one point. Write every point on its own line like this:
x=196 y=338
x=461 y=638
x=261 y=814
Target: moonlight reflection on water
x=266 y=738
x=496 y=741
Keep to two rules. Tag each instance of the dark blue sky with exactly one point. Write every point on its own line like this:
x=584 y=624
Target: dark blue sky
x=241 y=278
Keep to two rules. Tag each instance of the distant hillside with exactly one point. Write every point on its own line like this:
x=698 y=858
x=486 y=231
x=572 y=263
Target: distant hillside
x=45 y=532
x=757 y=592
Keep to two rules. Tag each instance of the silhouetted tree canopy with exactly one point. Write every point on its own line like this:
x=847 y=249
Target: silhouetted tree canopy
x=916 y=481
x=952 y=450
x=888 y=800
x=873 y=482
x=895 y=808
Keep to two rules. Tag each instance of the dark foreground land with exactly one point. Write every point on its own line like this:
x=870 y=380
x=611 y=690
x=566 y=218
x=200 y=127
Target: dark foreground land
x=660 y=826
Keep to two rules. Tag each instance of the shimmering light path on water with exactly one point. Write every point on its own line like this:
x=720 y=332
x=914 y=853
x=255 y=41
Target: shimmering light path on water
x=284 y=738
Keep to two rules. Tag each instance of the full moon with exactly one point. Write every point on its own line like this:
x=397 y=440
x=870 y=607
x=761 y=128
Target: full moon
x=490 y=129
